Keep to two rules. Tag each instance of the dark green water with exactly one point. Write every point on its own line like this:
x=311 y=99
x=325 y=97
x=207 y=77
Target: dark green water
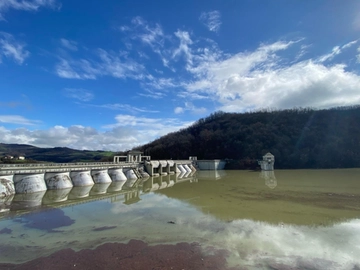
x=308 y=219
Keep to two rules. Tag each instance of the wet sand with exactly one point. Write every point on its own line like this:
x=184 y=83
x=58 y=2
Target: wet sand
x=133 y=255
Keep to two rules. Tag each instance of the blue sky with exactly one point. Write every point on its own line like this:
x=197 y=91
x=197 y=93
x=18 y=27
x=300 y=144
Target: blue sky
x=111 y=75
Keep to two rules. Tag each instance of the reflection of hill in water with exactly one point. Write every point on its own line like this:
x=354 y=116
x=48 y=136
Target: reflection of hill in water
x=311 y=197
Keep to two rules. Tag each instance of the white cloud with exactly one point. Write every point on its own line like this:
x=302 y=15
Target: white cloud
x=26 y=5
x=178 y=110
x=152 y=94
x=335 y=51
x=18 y=120
x=79 y=94
x=128 y=132
x=188 y=106
x=349 y=44
x=147 y=128
x=153 y=36
x=124 y=107
x=184 y=46
x=262 y=78
x=69 y=44
x=113 y=64
x=160 y=83
x=211 y=20
x=11 y=48
x=72 y=69
x=119 y=67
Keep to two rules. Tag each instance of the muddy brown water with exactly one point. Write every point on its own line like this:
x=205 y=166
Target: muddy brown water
x=286 y=219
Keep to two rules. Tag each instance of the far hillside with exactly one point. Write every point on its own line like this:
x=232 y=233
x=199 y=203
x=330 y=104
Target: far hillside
x=299 y=138
x=56 y=154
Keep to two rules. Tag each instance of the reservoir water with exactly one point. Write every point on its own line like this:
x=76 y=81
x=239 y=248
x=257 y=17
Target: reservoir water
x=286 y=219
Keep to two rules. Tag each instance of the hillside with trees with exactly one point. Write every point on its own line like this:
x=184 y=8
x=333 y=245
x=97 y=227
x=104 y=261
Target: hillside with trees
x=299 y=138
x=57 y=154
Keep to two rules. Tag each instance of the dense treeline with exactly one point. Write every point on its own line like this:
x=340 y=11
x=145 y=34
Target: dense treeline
x=299 y=138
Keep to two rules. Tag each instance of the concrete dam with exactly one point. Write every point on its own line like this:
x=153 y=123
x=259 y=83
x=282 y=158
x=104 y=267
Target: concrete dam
x=32 y=178
x=126 y=191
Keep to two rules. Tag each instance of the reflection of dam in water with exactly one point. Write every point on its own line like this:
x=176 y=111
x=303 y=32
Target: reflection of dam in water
x=210 y=175
x=127 y=191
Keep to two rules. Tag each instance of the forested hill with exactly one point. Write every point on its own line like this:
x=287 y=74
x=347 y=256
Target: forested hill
x=56 y=154
x=299 y=138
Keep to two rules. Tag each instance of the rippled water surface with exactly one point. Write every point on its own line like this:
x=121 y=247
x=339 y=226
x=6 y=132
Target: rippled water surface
x=309 y=219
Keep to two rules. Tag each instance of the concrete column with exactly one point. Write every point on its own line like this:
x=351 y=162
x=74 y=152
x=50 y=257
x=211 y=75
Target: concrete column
x=7 y=187
x=192 y=167
x=29 y=183
x=117 y=175
x=130 y=174
x=81 y=178
x=100 y=176
x=187 y=169
x=171 y=167
x=59 y=180
x=181 y=168
x=163 y=167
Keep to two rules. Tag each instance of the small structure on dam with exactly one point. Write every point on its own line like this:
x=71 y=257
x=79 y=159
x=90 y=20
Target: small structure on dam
x=267 y=163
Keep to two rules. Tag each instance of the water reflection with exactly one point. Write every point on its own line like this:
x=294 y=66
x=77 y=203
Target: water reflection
x=116 y=186
x=5 y=203
x=27 y=200
x=56 y=195
x=46 y=220
x=210 y=175
x=309 y=221
x=80 y=192
x=270 y=179
x=99 y=189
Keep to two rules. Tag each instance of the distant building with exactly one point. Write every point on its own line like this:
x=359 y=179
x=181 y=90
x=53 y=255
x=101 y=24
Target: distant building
x=267 y=163
x=21 y=157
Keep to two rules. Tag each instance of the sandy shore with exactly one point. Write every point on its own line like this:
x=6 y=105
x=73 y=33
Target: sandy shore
x=133 y=255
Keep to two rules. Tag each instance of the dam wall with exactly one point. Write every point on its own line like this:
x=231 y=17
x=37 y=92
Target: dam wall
x=32 y=178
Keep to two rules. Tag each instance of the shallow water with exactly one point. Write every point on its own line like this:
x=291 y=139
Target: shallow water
x=309 y=219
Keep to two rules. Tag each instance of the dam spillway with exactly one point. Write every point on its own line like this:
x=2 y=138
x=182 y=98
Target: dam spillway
x=38 y=177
